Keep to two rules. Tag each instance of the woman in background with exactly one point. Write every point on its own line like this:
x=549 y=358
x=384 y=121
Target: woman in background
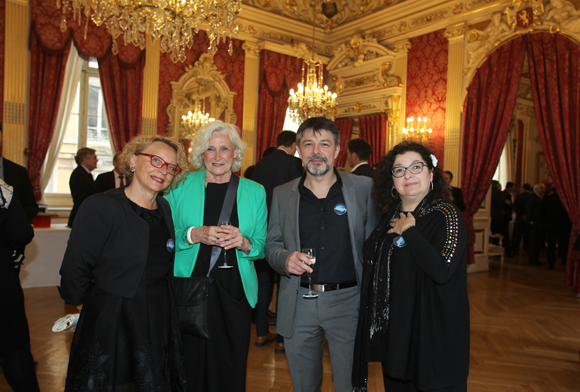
x=117 y=269
x=414 y=313
x=219 y=364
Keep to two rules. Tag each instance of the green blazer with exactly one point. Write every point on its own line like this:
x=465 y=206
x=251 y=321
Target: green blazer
x=187 y=202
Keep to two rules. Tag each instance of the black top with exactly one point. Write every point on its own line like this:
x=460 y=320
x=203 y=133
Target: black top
x=507 y=205
x=215 y=195
x=414 y=313
x=555 y=215
x=323 y=225
x=458 y=198
x=497 y=202
x=276 y=169
x=533 y=210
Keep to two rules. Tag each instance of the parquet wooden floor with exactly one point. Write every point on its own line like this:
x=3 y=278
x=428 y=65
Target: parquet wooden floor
x=525 y=336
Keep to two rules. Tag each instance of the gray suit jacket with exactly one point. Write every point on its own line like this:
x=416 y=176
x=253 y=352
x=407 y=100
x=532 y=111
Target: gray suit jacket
x=284 y=237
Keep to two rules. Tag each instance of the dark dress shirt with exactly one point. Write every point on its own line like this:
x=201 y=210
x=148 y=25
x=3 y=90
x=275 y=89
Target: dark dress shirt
x=107 y=181
x=323 y=225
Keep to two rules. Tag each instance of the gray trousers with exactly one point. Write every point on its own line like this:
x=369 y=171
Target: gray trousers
x=333 y=315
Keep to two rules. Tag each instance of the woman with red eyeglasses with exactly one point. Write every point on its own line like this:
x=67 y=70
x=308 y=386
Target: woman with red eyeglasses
x=117 y=270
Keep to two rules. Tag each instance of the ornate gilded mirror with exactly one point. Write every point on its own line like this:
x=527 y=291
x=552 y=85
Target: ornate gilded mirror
x=201 y=88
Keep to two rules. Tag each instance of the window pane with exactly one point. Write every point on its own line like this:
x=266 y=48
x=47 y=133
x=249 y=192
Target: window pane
x=98 y=134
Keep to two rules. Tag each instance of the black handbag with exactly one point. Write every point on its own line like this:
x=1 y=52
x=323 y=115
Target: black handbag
x=191 y=304
x=191 y=293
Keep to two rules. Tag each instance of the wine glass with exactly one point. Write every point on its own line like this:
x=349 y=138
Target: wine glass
x=225 y=265
x=309 y=252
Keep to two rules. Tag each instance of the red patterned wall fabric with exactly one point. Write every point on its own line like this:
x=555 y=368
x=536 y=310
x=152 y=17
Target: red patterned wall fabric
x=554 y=63
x=230 y=66
x=345 y=129
x=374 y=130
x=427 y=84
x=46 y=79
x=2 y=43
x=487 y=112
x=279 y=66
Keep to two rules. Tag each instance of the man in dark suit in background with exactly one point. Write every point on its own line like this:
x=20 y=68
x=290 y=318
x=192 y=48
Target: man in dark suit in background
x=533 y=211
x=111 y=180
x=17 y=176
x=82 y=183
x=456 y=193
x=520 y=225
x=507 y=216
x=276 y=168
x=358 y=152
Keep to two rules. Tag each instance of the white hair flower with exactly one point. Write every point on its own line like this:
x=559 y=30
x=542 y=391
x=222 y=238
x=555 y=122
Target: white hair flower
x=434 y=160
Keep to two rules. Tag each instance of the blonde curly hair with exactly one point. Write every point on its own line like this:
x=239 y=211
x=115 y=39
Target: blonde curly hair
x=200 y=143
x=140 y=142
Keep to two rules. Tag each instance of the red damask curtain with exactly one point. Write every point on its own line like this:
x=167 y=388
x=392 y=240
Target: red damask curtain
x=47 y=69
x=122 y=85
x=374 y=130
x=554 y=63
x=271 y=114
x=487 y=112
x=280 y=73
x=345 y=130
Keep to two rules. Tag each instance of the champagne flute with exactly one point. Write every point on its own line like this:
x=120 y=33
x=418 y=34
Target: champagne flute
x=309 y=252
x=225 y=265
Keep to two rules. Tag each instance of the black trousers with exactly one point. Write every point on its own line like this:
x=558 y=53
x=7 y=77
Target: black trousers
x=559 y=236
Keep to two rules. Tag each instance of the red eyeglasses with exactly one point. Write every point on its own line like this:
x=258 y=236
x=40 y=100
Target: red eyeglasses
x=159 y=162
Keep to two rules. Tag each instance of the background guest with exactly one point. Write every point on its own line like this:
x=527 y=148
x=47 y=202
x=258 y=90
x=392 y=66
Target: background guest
x=507 y=216
x=117 y=269
x=496 y=213
x=558 y=227
x=456 y=193
x=520 y=226
x=358 y=152
x=219 y=364
x=113 y=179
x=15 y=356
x=535 y=223
x=275 y=169
x=82 y=183
x=414 y=311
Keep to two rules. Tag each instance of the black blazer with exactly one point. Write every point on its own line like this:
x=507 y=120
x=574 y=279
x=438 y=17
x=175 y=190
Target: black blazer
x=276 y=169
x=105 y=181
x=17 y=176
x=364 y=170
x=108 y=246
x=82 y=185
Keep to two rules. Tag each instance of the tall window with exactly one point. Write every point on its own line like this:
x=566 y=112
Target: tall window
x=87 y=127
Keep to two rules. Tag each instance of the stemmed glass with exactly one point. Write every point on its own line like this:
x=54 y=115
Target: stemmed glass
x=309 y=252
x=225 y=265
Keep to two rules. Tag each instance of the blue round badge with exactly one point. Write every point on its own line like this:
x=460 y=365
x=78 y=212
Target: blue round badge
x=399 y=241
x=340 y=209
x=170 y=245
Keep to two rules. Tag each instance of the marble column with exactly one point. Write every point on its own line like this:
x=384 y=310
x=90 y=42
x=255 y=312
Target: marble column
x=251 y=96
x=452 y=147
x=16 y=84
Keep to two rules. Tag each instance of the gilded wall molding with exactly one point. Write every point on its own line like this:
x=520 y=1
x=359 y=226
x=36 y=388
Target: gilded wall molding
x=456 y=30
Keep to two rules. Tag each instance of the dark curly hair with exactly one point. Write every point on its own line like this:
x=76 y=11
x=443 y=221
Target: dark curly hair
x=384 y=200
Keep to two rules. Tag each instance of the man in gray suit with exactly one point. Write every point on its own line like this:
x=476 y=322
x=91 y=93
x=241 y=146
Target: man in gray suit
x=333 y=214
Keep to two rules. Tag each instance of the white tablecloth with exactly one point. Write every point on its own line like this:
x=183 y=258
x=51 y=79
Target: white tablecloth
x=44 y=257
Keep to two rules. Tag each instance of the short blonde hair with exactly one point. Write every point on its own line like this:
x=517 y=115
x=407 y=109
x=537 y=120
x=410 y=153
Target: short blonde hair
x=200 y=143
x=140 y=143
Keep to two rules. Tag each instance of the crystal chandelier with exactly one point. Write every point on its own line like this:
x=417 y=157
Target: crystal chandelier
x=174 y=22
x=312 y=100
x=416 y=130
x=194 y=120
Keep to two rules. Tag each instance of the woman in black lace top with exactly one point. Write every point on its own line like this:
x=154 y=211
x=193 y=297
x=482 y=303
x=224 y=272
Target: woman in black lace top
x=117 y=270
x=414 y=313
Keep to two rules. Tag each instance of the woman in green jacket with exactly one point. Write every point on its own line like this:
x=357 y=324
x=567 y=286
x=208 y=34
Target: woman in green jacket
x=219 y=363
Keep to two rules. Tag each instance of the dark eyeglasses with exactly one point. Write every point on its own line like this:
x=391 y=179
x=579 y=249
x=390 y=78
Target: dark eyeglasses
x=415 y=168
x=158 y=162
